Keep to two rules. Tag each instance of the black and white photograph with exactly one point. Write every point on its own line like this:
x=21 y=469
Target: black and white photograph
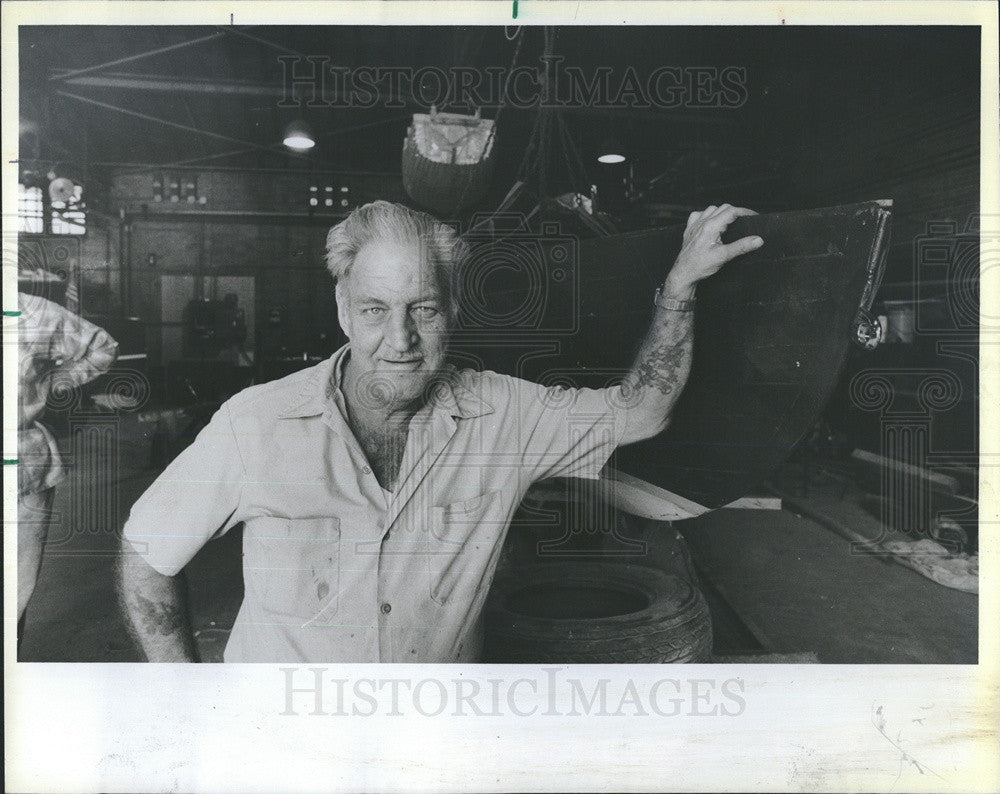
x=531 y=366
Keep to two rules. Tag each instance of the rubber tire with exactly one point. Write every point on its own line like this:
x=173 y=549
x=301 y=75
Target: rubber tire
x=675 y=627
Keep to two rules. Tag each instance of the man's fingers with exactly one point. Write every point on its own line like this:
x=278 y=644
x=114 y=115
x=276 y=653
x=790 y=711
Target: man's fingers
x=724 y=217
x=718 y=223
x=742 y=246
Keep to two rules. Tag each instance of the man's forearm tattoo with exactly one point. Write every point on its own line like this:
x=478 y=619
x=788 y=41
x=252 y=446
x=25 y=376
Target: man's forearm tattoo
x=663 y=358
x=660 y=367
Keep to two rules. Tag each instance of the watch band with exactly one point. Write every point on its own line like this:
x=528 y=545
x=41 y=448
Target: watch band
x=670 y=304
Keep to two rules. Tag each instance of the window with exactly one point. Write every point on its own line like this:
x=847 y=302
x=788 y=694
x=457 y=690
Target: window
x=68 y=217
x=30 y=210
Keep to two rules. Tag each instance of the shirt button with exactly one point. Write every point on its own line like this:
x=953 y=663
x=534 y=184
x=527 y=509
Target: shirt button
x=366 y=470
x=386 y=609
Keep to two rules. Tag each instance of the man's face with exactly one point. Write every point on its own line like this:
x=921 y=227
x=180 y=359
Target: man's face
x=394 y=314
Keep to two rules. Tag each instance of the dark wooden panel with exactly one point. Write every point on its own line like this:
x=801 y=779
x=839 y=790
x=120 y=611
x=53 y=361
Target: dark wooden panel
x=243 y=247
x=177 y=247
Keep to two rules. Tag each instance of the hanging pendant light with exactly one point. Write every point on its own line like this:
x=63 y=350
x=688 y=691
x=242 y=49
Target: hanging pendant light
x=299 y=137
x=611 y=150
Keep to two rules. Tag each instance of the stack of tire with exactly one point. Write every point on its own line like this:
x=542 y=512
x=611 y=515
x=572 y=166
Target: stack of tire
x=596 y=612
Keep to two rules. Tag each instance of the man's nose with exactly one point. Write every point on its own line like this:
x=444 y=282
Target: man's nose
x=402 y=332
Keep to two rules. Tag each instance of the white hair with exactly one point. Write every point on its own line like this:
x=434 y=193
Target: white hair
x=383 y=220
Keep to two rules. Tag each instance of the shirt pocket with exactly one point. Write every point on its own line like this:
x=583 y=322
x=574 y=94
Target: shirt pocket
x=464 y=539
x=292 y=566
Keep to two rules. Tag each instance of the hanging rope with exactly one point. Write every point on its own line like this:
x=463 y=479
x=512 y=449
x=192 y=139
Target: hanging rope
x=574 y=163
x=500 y=109
x=546 y=114
x=548 y=132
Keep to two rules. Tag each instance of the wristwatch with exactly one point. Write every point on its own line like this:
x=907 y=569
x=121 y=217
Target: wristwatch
x=670 y=304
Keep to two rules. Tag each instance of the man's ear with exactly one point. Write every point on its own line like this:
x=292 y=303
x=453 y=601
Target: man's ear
x=343 y=317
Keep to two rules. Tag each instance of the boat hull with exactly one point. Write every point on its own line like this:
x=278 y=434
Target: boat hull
x=772 y=333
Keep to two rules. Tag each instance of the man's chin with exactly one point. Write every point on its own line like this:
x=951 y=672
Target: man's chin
x=406 y=386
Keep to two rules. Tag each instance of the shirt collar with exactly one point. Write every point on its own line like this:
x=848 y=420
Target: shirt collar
x=317 y=396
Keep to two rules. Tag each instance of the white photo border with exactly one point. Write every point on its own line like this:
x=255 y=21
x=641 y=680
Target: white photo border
x=132 y=727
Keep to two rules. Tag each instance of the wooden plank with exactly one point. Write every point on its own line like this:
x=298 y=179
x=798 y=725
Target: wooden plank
x=641 y=498
x=755 y=503
x=939 y=482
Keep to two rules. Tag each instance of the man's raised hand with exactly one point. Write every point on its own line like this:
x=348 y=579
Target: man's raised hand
x=703 y=253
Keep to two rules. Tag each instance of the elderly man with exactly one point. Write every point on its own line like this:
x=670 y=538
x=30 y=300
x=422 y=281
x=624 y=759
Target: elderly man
x=376 y=488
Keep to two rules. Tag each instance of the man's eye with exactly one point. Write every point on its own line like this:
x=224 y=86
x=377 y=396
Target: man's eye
x=373 y=311
x=425 y=312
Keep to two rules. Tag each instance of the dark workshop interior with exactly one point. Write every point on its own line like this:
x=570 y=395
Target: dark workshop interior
x=159 y=200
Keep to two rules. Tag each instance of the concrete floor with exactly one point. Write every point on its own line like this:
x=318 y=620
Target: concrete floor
x=74 y=616
x=799 y=587
x=793 y=583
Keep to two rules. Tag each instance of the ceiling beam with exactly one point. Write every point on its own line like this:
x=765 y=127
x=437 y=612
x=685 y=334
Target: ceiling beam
x=145 y=83
x=168 y=84
x=239 y=152
x=65 y=75
x=235 y=31
x=173 y=124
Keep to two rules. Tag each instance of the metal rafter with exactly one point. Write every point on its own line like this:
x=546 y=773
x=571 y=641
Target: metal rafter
x=266 y=42
x=136 y=81
x=167 y=123
x=132 y=58
x=236 y=152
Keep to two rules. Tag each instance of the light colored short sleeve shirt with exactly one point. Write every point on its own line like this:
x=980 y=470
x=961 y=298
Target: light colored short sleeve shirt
x=337 y=569
x=57 y=351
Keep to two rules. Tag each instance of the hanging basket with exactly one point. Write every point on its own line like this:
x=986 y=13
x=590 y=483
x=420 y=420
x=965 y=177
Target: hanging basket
x=447 y=160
